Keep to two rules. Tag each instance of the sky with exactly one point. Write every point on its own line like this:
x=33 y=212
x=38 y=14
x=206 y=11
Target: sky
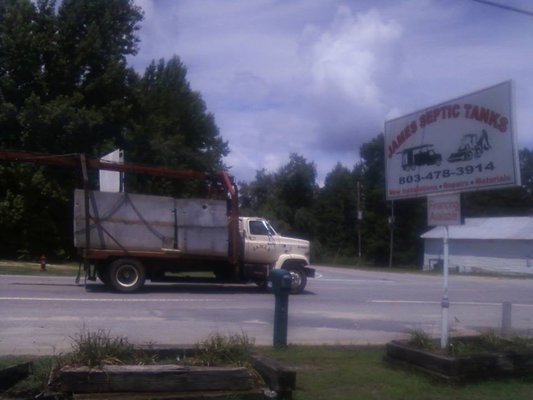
x=320 y=77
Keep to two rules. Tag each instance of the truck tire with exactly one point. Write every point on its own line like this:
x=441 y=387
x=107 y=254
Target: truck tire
x=298 y=278
x=126 y=275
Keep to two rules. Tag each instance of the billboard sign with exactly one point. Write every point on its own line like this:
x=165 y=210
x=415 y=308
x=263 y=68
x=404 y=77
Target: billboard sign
x=461 y=145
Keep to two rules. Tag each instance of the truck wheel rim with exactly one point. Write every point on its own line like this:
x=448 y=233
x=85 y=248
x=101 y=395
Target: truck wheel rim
x=295 y=279
x=127 y=276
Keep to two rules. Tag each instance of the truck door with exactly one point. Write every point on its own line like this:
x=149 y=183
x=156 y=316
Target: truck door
x=260 y=243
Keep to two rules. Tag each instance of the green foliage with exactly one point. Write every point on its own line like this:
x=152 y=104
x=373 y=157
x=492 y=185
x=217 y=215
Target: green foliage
x=35 y=383
x=286 y=197
x=337 y=210
x=172 y=128
x=220 y=349
x=66 y=88
x=95 y=349
x=421 y=340
x=329 y=217
x=350 y=372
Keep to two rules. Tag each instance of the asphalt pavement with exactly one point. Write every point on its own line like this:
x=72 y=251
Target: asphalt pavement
x=42 y=314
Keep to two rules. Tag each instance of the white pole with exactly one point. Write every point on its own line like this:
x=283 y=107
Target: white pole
x=445 y=304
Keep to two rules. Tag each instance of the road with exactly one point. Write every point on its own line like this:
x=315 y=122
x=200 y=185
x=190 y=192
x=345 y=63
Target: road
x=41 y=314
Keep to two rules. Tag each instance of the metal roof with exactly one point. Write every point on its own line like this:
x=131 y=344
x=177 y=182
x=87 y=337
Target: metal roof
x=506 y=228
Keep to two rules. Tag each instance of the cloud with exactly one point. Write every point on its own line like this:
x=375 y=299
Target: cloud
x=320 y=78
x=349 y=62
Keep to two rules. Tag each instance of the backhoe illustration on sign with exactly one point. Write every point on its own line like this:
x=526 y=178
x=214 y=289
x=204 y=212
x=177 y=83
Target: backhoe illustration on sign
x=464 y=144
x=472 y=146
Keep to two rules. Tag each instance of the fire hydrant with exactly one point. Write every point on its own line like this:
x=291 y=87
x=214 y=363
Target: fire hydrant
x=42 y=261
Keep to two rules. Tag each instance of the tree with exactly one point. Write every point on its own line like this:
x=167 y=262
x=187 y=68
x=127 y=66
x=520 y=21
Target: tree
x=66 y=88
x=286 y=197
x=516 y=201
x=410 y=214
x=336 y=213
x=172 y=125
x=63 y=78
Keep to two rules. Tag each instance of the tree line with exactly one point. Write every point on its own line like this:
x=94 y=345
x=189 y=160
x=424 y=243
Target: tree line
x=66 y=88
x=351 y=205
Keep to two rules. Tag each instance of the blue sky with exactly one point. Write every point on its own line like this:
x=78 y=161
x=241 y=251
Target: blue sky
x=320 y=77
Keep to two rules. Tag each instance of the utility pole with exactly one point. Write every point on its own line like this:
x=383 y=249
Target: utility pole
x=359 y=218
x=391 y=227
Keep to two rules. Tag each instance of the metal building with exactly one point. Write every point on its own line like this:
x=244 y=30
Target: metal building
x=500 y=245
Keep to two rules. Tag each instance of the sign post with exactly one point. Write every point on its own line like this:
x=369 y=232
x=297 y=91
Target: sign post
x=444 y=210
x=462 y=145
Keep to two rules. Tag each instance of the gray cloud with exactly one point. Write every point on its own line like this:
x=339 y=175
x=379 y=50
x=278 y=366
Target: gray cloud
x=320 y=78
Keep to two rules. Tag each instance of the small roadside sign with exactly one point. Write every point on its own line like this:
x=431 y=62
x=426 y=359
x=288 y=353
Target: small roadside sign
x=444 y=210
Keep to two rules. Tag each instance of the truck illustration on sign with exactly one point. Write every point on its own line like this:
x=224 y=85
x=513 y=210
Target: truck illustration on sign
x=472 y=146
x=420 y=155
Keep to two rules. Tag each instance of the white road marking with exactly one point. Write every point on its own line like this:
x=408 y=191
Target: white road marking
x=461 y=303
x=387 y=282
x=67 y=318
x=102 y=300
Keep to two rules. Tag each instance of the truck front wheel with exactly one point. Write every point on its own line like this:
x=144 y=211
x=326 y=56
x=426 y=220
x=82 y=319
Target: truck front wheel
x=298 y=279
x=126 y=275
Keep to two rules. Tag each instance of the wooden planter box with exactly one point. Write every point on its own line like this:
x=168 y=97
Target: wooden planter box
x=461 y=368
x=168 y=382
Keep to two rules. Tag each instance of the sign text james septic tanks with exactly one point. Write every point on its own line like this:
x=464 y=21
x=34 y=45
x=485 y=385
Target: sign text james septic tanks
x=461 y=145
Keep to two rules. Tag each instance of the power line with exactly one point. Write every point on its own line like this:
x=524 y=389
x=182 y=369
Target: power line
x=505 y=7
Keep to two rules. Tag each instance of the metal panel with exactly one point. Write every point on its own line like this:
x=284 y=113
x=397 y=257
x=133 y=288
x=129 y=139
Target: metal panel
x=134 y=222
x=494 y=256
x=203 y=226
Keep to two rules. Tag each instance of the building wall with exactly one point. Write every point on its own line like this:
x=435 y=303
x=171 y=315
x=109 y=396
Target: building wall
x=494 y=256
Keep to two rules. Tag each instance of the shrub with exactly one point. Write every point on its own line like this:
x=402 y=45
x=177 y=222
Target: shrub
x=95 y=349
x=221 y=349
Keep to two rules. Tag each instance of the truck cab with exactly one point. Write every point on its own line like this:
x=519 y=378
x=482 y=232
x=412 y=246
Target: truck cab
x=265 y=250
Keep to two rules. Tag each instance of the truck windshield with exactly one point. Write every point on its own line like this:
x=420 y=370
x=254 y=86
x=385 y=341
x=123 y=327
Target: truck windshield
x=261 y=227
x=271 y=230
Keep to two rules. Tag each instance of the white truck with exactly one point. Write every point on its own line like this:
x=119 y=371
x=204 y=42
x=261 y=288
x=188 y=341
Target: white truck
x=134 y=237
x=125 y=239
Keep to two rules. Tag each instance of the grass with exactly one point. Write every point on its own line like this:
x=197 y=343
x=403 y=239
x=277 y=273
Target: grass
x=95 y=349
x=348 y=373
x=421 y=340
x=36 y=382
x=324 y=373
x=12 y=267
x=485 y=343
x=220 y=349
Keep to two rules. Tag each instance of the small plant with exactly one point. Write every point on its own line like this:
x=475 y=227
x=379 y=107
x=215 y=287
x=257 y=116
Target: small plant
x=219 y=349
x=522 y=343
x=459 y=348
x=490 y=341
x=421 y=340
x=95 y=349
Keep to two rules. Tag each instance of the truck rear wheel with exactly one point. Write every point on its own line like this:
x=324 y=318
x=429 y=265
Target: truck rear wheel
x=126 y=275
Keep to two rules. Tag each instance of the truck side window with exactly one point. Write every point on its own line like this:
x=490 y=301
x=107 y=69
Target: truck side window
x=258 y=228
